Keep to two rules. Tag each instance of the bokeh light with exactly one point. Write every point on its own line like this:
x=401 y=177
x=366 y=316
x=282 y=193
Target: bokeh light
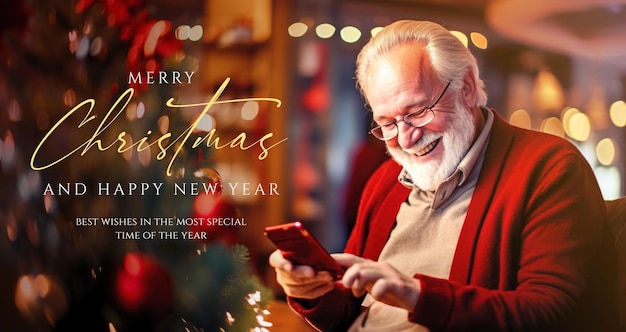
x=375 y=31
x=520 y=118
x=325 y=30
x=196 y=32
x=249 y=110
x=618 y=113
x=580 y=127
x=207 y=123
x=182 y=32
x=297 y=29
x=605 y=151
x=566 y=118
x=164 y=124
x=350 y=34
x=479 y=40
x=460 y=36
x=141 y=110
x=552 y=125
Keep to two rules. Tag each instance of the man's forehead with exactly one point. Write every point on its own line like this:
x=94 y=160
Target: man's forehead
x=407 y=58
x=401 y=66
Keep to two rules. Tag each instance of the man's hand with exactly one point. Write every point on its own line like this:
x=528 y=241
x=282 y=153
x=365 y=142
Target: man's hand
x=381 y=280
x=300 y=281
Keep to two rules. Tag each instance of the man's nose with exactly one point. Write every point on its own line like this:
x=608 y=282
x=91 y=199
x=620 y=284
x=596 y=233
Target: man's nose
x=408 y=135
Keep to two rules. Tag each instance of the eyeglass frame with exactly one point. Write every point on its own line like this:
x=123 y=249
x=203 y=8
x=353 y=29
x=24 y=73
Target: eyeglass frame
x=404 y=118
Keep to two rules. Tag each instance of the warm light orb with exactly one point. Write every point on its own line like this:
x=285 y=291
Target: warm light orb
x=164 y=124
x=131 y=111
x=605 y=151
x=375 y=31
x=350 y=34
x=206 y=123
x=196 y=32
x=566 y=117
x=520 y=118
x=69 y=97
x=297 y=29
x=182 y=32
x=141 y=110
x=461 y=36
x=479 y=40
x=580 y=127
x=97 y=46
x=325 y=30
x=552 y=125
x=618 y=113
x=249 y=110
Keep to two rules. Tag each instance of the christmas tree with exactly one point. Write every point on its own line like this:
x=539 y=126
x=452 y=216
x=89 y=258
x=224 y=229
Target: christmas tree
x=90 y=261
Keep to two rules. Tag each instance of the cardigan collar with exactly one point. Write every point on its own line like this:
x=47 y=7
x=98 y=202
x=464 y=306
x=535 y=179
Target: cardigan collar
x=497 y=152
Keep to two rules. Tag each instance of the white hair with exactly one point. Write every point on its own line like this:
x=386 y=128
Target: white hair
x=448 y=56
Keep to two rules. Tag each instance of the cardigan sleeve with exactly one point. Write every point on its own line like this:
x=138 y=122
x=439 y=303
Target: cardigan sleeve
x=558 y=222
x=336 y=310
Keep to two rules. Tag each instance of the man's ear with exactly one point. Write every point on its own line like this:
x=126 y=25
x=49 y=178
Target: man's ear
x=468 y=91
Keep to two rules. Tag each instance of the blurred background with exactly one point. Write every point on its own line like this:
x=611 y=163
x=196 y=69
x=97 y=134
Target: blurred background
x=555 y=66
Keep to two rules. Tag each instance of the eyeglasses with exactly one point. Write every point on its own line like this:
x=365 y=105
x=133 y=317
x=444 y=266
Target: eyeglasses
x=417 y=119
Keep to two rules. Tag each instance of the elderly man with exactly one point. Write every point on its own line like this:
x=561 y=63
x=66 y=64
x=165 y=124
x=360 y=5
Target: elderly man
x=474 y=224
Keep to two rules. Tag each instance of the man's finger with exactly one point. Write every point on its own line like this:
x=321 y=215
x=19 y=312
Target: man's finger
x=347 y=260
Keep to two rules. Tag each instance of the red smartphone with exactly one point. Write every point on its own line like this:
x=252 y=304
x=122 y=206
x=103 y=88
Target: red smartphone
x=299 y=246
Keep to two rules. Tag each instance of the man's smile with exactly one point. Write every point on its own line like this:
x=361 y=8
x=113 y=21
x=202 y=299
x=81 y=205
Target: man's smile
x=426 y=150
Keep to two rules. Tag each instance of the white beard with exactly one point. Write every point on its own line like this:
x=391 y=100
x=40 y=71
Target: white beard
x=457 y=139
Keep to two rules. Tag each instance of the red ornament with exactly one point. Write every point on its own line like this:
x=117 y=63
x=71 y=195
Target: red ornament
x=211 y=184
x=317 y=97
x=143 y=286
x=217 y=218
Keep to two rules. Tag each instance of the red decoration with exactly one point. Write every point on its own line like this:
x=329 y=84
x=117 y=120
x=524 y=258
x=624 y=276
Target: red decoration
x=149 y=39
x=317 y=97
x=143 y=286
x=211 y=181
x=218 y=219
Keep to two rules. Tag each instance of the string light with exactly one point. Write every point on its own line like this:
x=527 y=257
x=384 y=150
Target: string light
x=297 y=29
x=460 y=36
x=350 y=34
x=479 y=40
x=375 y=31
x=325 y=30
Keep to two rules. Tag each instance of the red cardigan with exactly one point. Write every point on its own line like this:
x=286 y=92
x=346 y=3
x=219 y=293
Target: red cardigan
x=533 y=254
